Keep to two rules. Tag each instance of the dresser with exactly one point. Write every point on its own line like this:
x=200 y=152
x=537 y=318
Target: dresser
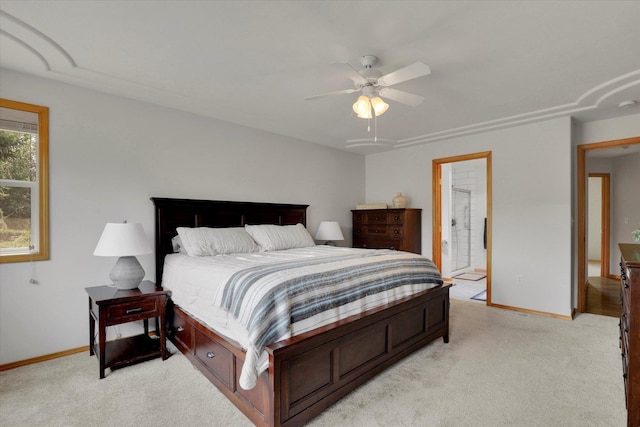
x=630 y=328
x=398 y=229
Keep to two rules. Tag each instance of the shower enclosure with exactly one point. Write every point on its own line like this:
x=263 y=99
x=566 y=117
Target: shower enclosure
x=460 y=229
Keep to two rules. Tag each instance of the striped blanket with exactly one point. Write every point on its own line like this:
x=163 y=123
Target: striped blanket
x=270 y=300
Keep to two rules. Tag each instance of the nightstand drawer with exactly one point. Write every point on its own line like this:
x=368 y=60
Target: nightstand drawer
x=131 y=311
x=215 y=357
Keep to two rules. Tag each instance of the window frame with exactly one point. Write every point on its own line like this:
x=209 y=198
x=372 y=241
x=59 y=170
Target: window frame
x=40 y=253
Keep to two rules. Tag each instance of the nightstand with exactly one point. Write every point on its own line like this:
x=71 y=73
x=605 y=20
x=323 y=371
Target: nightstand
x=110 y=306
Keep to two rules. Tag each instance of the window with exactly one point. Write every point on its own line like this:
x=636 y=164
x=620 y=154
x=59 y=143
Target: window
x=24 y=186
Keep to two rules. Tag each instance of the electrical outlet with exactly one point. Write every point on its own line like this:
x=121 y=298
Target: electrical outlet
x=519 y=279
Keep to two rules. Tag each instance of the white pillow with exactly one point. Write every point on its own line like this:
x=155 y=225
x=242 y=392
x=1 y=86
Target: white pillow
x=203 y=241
x=177 y=245
x=279 y=237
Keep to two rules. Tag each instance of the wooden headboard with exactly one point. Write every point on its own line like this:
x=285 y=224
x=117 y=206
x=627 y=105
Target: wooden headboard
x=173 y=213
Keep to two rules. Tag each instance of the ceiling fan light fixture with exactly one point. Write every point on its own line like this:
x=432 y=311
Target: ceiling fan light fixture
x=379 y=106
x=362 y=107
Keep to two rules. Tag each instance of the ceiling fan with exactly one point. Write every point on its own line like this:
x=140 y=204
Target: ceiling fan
x=373 y=85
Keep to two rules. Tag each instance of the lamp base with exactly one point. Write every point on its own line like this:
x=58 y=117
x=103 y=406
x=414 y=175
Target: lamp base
x=330 y=243
x=127 y=273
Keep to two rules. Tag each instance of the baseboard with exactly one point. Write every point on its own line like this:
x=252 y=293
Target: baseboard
x=525 y=310
x=39 y=359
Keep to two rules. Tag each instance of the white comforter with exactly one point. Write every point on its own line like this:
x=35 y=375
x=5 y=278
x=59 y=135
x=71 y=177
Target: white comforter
x=197 y=285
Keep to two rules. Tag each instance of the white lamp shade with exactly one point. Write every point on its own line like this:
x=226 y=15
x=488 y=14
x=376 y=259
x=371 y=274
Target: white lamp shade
x=379 y=106
x=329 y=230
x=362 y=107
x=122 y=239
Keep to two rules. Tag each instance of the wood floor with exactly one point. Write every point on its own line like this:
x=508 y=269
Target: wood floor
x=603 y=296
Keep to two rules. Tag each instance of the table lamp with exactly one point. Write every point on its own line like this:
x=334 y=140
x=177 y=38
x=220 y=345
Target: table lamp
x=124 y=240
x=329 y=231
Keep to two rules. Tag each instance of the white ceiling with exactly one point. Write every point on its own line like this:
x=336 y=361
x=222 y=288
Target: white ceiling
x=494 y=63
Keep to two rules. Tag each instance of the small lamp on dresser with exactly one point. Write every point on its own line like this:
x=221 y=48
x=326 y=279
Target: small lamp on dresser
x=124 y=240
x=329 y=231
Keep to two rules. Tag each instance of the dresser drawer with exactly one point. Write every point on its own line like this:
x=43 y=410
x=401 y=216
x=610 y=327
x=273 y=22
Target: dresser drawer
x=379 y=231
x=215 y=357
x=376 y=218
x=132 y=311
x=377 y=244
x=395 y=218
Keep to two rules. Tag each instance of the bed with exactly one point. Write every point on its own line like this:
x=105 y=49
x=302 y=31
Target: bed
x=309 y=371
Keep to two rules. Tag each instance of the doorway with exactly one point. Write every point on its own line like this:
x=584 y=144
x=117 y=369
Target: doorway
x=602 y=295
x=461 y=245
x=598 y=223
x=583 y=187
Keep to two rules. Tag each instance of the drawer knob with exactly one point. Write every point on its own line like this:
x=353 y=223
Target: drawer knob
x=210 y=355
x=134 y=310
x=396 y=218
x=396 y=232
x=179 y=329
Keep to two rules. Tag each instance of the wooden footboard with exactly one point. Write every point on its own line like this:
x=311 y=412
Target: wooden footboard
x=310 y=372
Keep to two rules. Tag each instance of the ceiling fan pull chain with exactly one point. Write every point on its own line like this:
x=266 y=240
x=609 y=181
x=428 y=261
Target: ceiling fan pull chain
x=375 y=126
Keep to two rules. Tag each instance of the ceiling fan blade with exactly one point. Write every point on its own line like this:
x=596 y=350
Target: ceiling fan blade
x=339 y=92
x=351 y=72
x=409 y=72
x=401 y=96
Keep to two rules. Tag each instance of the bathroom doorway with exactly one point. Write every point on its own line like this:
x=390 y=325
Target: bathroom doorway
x=461 y=226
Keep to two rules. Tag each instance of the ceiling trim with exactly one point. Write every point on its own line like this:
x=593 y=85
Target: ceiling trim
x=38 y=43
x=589 y=101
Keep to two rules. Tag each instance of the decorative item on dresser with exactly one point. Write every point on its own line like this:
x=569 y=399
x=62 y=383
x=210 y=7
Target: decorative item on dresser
x=399 y=201
x=398 y=229
x=630 y=328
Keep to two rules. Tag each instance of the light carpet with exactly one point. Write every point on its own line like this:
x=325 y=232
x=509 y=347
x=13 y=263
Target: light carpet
x=500 y=368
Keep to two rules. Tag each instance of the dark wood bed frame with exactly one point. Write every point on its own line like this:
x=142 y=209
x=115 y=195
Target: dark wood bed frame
x=309 y=372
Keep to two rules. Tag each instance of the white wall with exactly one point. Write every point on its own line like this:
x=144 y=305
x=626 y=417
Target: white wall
x=108 y=156
x=532 y=188
x=625 y=203
x=607 y=130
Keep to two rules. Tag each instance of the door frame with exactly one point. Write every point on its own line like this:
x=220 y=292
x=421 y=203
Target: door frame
x=582 y=220
x=436 y=181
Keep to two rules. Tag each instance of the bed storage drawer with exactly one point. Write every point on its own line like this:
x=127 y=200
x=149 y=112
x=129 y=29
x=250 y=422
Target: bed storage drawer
x=217 y=359
x=182 y=332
